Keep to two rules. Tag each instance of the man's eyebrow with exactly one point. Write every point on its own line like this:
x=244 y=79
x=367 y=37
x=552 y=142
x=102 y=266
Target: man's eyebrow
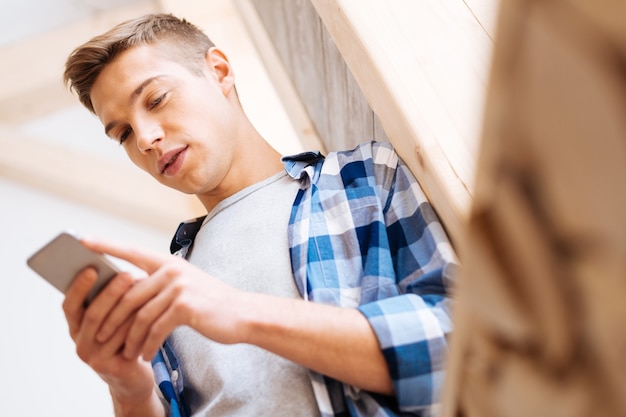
x=141 y=87
x=133 y=97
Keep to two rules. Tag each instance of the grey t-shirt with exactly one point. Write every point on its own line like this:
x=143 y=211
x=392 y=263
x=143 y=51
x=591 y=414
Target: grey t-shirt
x=244 y=243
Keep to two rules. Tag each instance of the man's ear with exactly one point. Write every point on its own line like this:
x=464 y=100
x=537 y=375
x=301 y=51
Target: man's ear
x=219 y=67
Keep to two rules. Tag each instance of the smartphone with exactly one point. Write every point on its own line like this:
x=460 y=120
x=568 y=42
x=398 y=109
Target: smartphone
x=61 y=259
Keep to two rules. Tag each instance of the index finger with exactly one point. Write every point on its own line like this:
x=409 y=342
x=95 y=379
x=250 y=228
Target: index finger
x=146 y=260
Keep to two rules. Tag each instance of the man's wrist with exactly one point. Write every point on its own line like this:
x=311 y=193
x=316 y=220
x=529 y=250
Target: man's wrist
x=126 y=405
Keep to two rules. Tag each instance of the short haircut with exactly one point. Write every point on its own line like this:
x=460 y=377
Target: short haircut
x=183 y=43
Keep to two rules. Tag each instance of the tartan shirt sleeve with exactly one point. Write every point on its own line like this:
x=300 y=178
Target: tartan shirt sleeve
x=412 y=326
x=363 y=235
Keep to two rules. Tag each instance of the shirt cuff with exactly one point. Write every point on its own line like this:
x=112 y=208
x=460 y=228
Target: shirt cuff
x=411 y=331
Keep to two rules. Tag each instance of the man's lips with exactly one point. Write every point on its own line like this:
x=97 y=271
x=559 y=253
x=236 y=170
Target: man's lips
x=169 y=160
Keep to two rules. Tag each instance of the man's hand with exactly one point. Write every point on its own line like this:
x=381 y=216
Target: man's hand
x=174 y=293
x=130 y=380
x=337 y=342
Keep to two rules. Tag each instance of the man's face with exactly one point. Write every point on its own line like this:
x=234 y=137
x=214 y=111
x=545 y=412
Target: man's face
x=177 y=126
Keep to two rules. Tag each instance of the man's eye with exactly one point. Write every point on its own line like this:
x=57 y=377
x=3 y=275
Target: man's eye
x=125 y=135
x=157 y=101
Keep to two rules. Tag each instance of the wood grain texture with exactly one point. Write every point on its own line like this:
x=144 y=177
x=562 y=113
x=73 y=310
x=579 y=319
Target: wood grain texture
x=423 y=67
x=540 y=308
x=327 y=88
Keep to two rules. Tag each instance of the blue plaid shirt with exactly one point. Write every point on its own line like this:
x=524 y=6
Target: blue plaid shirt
x=363 y=235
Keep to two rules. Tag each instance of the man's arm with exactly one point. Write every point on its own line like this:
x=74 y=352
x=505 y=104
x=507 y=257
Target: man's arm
x=334 y=341
x=337 y=342
x=387 y=251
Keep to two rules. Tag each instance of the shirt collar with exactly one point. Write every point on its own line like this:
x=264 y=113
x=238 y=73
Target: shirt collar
x=184 y=236
x=295 y=165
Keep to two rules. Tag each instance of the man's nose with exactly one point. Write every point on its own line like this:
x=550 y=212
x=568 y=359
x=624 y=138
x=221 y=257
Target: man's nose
x=148 y=133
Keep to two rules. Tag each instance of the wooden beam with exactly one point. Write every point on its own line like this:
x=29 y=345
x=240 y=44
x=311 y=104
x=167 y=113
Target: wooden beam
x=423 y=67
x=117 y=188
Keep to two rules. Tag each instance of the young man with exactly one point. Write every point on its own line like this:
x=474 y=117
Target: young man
x=313 y=286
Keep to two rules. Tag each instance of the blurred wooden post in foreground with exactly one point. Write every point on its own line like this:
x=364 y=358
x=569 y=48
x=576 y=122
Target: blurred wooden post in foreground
x=540 y=320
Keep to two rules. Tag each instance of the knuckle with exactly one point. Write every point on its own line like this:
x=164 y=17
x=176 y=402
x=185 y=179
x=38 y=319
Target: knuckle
x=119 y=285
x=91 y=318
x=179 y=308
x=69 y=309
x=154 y=336
x=142 y=317
x=157 y=335
x=178 y=288
x=171 y=270
x=73 y=332
x=84 y=354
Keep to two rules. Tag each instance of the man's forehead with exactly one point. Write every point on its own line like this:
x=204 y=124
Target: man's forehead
x=127 y=75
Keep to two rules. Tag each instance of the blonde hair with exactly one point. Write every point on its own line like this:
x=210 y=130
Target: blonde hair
x=183 y=43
